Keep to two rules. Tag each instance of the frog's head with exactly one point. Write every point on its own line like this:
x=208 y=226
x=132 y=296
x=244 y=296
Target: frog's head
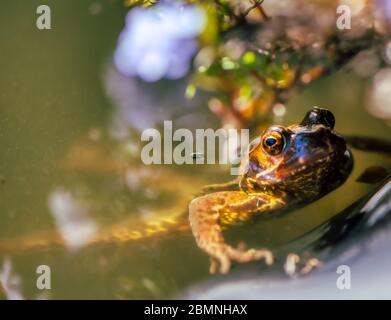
x=305 y=160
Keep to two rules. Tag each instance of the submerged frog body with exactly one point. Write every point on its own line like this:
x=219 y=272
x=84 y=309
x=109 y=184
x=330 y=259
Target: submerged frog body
x=286 y=167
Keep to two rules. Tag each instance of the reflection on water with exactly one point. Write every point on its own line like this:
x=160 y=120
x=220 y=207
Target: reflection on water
x=10 y=283
x=72 y=220
x=57 y=189
x=381 y=94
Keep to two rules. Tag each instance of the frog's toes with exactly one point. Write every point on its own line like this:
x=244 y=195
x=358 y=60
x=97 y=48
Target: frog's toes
x=222 y=262
x=293 y=266
x=311 y=264
x=251 y=255
x=214 y=266
x=241 y=246
x=291 y=263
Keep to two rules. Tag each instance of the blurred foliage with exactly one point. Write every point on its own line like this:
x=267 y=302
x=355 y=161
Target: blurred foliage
x=144 y=3
x=256 y=54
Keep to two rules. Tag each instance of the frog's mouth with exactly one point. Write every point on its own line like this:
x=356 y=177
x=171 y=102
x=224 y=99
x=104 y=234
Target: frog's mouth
x=301 y=166
x=338 y=160
x=308 y=165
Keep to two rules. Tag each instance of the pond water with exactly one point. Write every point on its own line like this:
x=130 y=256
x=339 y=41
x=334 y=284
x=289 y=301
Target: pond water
x=54 y=117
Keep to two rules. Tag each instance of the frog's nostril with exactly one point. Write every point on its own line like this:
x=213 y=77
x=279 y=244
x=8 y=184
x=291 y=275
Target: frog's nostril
x=319 y=116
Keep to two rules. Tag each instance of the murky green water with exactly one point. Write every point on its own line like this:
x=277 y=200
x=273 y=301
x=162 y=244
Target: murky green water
x=52 y=96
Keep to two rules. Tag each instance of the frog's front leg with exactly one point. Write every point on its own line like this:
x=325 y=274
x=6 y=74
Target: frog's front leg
x=208 y=212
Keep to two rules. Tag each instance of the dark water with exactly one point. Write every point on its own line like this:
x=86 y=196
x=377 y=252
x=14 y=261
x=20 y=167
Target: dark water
x=52 y=95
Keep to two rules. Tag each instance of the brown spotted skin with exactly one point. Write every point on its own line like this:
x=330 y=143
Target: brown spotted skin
x=286 y=168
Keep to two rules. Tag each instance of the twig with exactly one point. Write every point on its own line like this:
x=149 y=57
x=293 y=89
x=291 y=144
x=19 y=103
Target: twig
x=257 y=4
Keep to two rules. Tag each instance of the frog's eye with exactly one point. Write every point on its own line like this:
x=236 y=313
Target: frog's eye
x=273 y=142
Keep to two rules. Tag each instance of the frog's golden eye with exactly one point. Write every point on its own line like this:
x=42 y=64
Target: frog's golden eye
x=273 y=142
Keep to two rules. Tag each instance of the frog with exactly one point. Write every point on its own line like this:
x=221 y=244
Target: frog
x=285 y=168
